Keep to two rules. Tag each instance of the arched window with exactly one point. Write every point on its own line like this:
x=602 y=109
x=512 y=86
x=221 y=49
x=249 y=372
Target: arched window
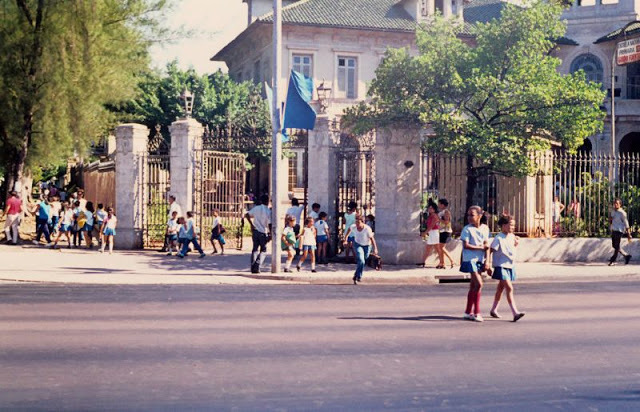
x=590 y=65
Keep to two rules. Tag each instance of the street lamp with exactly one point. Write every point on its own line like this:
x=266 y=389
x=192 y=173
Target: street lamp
x=187 y=100
x=324 y=93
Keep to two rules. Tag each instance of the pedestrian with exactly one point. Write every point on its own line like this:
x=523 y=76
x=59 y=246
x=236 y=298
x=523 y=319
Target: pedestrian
x=362 y=241
x=79 y=219
x=13 y=214
x=288 y=241
x=322 y=237
x=370 y=220
x=619 y=227
x=109 y=230
x=475 y=254
x=432 y=233
x=259 y=218
x=43 y=221
x=309 y=246
x=315 y=211
x=81 y=199
x=556 y=207
x=55 y=214
x=216 y=233
x=444 y=215
x=100 y=215
x=191 y=237
x=173 y=207
x=182 y=234
x=349 y=220
x=503 y=249
x=172 y=234
x=88 y=225
x=296 y=211
x=64 y=226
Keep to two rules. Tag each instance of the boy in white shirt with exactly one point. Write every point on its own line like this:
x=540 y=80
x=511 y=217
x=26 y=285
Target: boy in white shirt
x=322 y=236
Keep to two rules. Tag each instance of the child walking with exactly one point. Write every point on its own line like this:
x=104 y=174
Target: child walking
x=216 y=233
x=191 y=237
x=64 y=227
x=322 y=237
x=109 y=230
x=503 y=248
x=101 y=214
x=349 y=220
x=172 y=233
x=288 y=241
x=475 y=254
x=308 y=236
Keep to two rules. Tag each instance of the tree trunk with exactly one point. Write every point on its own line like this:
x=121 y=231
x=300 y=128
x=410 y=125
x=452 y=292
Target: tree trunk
x=472 y=180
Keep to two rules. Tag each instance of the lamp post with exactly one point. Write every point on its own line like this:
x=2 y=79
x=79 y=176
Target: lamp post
x=276 y=143
x=324 y=93
x=613 y=101
x=187 y=100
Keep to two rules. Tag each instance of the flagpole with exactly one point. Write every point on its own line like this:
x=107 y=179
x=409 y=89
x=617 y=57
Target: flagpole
x=276 y=144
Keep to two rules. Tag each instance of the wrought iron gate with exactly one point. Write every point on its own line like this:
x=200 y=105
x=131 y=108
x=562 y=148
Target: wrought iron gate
x=219 y=179
x=154 y=167
x=356 y=170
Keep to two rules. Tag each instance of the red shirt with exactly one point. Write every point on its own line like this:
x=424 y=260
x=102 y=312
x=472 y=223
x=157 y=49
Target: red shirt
x=15 y=206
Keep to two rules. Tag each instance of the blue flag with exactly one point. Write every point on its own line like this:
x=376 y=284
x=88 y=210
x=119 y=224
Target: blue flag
x=298 y=113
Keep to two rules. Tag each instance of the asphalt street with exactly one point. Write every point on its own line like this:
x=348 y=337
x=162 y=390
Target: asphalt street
x=312 y=347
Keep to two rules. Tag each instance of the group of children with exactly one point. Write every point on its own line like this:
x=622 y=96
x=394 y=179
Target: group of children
x=314 y=235
x=76 y=220
x=477 y=252
x=182 y=232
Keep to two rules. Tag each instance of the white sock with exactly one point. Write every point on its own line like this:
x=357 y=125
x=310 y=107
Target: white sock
x=514 y=310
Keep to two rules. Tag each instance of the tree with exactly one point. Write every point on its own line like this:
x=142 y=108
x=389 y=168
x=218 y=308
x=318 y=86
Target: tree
x=219 y=103
x=61 y=63
x=495 y=100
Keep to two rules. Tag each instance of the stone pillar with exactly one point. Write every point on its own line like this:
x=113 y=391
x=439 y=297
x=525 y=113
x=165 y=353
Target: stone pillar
x=447 y=8
x=322 y=169
x=131 y=142
x=431 y=8
x=460 y=9
x=398 y=196
x=186 y=140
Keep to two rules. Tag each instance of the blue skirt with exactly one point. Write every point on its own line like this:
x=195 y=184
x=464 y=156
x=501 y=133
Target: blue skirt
x=471 y=266
x=65 y=228
x=500 y=273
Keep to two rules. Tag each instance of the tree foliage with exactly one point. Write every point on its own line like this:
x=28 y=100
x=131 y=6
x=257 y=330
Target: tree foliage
x=495 y=100
x=62 y=62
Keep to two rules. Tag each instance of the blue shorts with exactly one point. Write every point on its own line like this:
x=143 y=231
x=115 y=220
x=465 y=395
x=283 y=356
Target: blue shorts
x=471 y=266
x=500 y=273
x=173 y=238
x=219 y=238
x=87 y=228
x=322 y=239
x=65 y=228
x=310 y=248
x=109 y=232
x=351 y=239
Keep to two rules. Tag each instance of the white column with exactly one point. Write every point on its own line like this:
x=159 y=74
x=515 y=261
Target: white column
x=186 y=139
x=431 y=7
x=398 y=196
x=131 y=142
x=321 y=168
x=447 y=8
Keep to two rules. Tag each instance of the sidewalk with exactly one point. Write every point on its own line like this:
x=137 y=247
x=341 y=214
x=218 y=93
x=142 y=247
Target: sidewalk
x=29 y=263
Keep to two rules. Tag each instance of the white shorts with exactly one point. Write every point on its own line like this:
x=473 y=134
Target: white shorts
x=434 y=237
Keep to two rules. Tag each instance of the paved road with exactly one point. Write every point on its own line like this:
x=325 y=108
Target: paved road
x=306 y=347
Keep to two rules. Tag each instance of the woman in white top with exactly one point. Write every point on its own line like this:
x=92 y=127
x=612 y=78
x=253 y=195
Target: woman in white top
x=308 y=236
x=64 y=227
x=362 y=242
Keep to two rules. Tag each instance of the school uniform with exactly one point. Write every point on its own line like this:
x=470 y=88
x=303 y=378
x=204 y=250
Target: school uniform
x=473 y=260
x=504 y=256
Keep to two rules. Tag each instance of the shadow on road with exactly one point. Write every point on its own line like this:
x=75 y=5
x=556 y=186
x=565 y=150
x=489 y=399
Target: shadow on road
x=414 y=318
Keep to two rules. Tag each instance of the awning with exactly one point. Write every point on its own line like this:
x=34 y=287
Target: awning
x=628 y=30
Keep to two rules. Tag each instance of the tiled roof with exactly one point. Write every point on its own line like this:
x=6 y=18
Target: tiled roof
x=373 y=14
x=629 y=30
x=566 y=41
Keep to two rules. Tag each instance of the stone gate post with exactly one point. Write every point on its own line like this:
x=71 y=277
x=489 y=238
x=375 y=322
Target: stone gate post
x=131 y=142
x=186 y=140
x=398 y=195
x=321 y=169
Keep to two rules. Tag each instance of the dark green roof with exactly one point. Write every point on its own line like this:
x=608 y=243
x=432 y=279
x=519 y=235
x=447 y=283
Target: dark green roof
x=566 y=41
x=387 y=15
x=628 y=30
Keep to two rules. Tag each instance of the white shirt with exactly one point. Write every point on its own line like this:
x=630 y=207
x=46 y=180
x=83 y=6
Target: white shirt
x=476 y=236
x=308 y=236
x=67 y=217
x=349 y=219
x=83 y=203
x=314 y=215
x=504 y=250
x=111 y=222
x=296 y=211
x=321 y=227
x=619 y=221
x=362 y=237
x=89 y=217
x=175 y=207
x=261 y=216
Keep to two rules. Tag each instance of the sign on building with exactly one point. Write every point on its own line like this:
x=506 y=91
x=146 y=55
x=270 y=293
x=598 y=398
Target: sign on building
x=628 y=51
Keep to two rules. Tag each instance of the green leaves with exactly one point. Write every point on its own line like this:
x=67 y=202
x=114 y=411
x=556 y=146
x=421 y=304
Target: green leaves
x=497 y=97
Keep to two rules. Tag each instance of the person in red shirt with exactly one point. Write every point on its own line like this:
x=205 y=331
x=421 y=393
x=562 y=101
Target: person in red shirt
x=13 y=213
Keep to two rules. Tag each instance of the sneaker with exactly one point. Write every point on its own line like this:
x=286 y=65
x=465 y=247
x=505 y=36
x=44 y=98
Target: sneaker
x=35 y=242
x=518 y=316
x=313 y=271
x=50 y=244
x=298 y=268
x=287 y=270
x=468 y=316
x=478 y=318
x=495 y=315
x=627 y=259
x=180 y=255
x=612 y=263
x=101 y=250
x=202 y=255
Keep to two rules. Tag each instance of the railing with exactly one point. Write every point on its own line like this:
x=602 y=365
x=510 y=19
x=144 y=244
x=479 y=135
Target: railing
x=569 y=195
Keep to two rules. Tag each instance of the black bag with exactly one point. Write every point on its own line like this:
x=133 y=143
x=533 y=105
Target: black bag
x=221 y=228
x=374 y=261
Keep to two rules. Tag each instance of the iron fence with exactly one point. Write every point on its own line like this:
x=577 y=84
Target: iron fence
x=568 y=195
